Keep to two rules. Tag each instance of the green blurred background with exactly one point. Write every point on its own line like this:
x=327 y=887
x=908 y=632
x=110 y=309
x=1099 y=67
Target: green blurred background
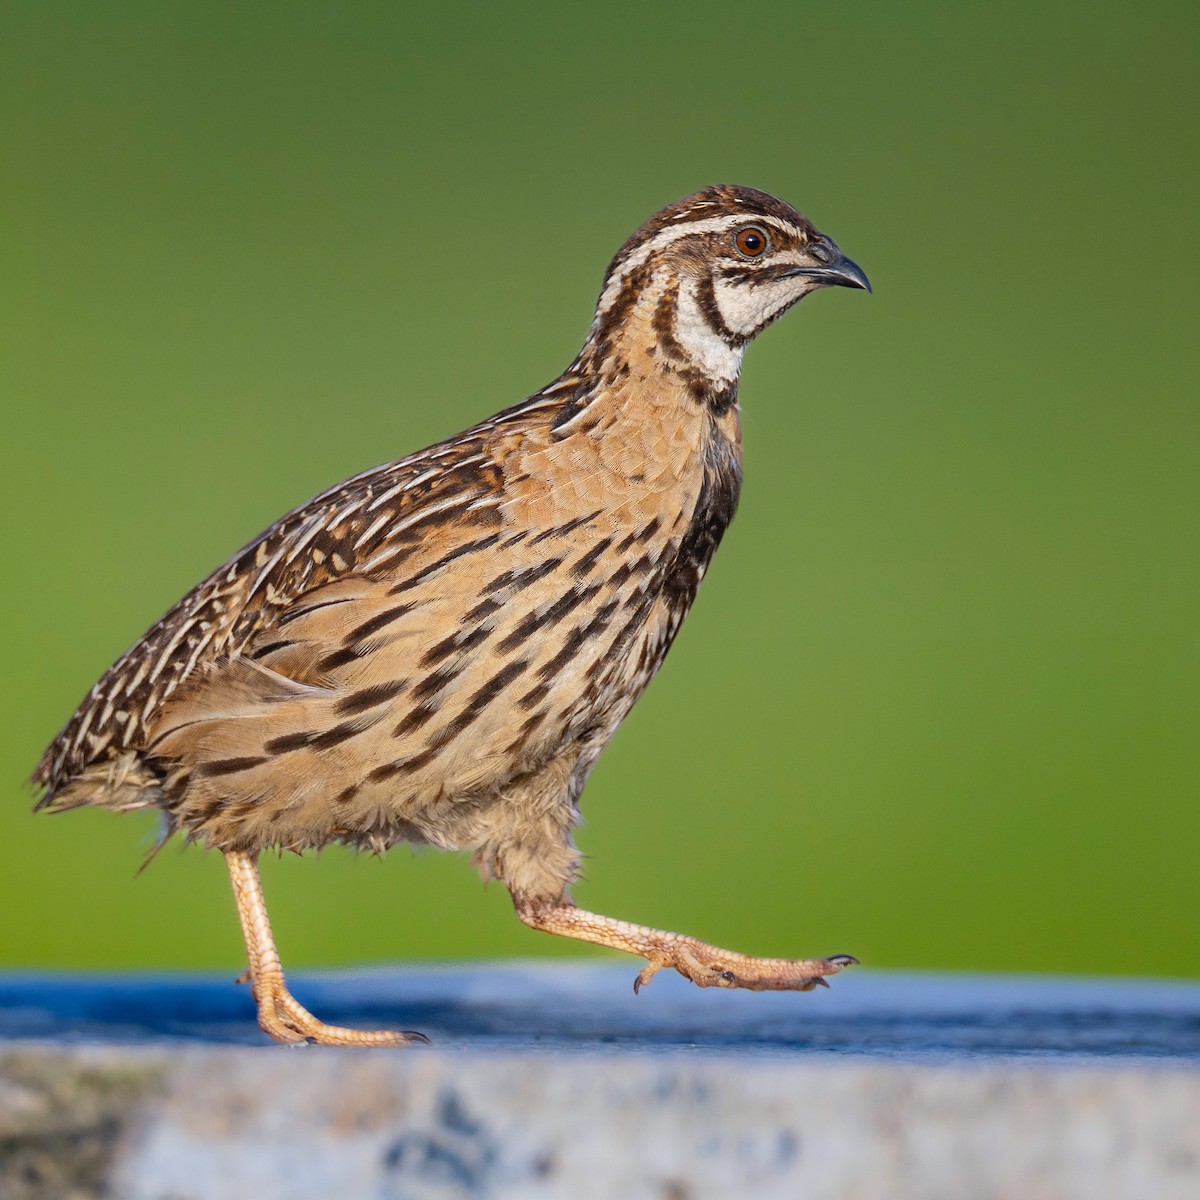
x=938 y=701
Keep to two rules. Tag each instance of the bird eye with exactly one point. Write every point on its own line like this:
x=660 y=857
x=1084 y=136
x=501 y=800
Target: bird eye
x=823 y=252
x=750 y=242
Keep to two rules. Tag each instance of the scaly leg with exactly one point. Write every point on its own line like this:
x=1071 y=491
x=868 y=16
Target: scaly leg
x=704 y=965
x=279 y=1013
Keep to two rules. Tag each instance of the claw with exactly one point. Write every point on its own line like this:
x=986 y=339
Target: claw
x=644 y=976
x=821 y=981
x=843 y=960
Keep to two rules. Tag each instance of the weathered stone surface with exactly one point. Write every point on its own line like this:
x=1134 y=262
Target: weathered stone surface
x=555 y=1081
x=61 y=1117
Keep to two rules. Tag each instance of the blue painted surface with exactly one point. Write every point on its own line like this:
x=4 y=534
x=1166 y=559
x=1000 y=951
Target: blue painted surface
x=591 y=1009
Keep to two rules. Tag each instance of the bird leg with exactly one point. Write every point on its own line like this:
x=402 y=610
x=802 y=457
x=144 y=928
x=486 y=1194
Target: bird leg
x=704 y=965
x=279 y=1013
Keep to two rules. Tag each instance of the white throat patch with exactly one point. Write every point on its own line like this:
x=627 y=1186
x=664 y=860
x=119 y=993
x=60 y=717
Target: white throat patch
x=715 y=356
x=745 y=310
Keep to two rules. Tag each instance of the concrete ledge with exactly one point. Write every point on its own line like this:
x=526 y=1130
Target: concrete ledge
x=555 y=1081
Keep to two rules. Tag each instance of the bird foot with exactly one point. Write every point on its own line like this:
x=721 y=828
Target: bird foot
x=710 y=966
x=704 y=965
x=282 y=1016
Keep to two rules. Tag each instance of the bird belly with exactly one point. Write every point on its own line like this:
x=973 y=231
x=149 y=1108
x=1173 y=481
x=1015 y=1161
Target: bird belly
x=254 y=758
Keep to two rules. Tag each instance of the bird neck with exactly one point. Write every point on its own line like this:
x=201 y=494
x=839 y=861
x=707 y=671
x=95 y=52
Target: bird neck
x=666 y=333
x=655 y=373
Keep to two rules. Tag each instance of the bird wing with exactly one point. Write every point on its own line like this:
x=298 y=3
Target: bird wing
x=371 y=695
x=368 y=526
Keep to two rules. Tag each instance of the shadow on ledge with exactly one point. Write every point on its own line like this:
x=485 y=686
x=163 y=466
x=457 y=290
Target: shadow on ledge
x=588 y=1008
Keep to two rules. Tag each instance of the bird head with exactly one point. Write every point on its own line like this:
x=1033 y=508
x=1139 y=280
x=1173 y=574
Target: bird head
x=731 y=260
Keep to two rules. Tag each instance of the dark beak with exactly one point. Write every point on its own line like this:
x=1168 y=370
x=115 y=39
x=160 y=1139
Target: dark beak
x=843 y=273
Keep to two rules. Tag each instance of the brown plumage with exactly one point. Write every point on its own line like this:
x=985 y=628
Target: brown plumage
x=437 y=650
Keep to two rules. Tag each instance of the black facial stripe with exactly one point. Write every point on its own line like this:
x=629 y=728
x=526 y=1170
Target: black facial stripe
x=767 y=273
x=706 y=298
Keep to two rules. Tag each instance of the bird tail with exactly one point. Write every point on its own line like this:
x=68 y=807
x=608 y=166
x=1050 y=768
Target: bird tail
x=121 y=783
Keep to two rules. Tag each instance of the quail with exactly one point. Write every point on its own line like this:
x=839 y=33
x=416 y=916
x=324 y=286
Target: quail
x=437 y=650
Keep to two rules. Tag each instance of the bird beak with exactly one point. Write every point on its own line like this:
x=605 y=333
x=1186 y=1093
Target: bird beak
x=843 y=273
